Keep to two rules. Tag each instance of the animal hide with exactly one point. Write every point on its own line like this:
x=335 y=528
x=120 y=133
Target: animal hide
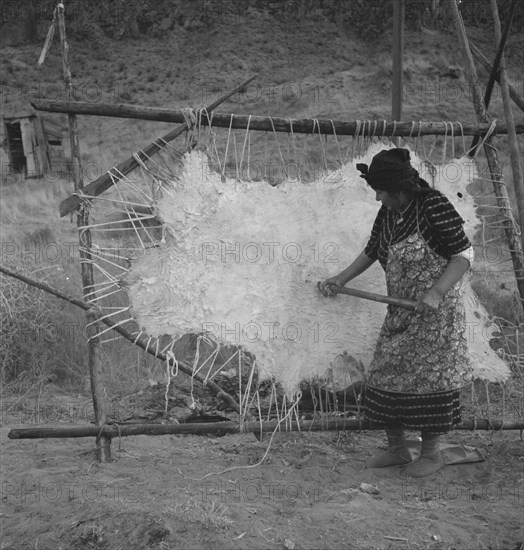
x=243 y=261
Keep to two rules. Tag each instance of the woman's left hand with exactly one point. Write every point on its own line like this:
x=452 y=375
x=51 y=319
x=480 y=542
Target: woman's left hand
x=429 y=301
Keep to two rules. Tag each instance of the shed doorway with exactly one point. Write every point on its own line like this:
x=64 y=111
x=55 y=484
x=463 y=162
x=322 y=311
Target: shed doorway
x=15 y=147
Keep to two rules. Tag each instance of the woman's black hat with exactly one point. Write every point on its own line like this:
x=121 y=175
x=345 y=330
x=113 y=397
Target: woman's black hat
x=390 y=170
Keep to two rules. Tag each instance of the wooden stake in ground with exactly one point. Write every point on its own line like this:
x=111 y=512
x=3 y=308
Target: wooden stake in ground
x=508 y=220
x=518 y=183
x=103 y=443
x=495 y=69
x=398 y=61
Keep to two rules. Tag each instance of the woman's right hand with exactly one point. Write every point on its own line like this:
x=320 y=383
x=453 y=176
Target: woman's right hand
x=325 y=289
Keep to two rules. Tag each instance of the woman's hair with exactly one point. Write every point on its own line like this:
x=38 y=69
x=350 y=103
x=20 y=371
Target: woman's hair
x=391 y=170
x=416 y=186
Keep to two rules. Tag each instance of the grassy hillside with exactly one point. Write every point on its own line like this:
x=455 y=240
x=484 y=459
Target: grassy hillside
x=188 y=67
x=306 y=66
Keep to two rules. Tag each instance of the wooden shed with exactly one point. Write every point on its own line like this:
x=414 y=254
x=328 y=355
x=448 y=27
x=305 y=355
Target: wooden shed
x=31 y=144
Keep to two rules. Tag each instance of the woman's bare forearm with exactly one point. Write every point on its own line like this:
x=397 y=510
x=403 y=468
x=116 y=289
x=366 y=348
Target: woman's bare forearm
x=358 y=266
x=457 y=266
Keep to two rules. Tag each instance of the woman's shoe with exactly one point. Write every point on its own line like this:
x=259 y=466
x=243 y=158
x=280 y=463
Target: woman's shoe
x=397 y=453
x=430 y=461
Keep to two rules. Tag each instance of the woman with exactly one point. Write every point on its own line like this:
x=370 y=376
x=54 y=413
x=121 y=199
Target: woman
x=421 y=360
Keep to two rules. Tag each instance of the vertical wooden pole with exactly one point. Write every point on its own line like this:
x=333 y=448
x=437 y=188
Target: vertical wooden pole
x=103 y=443
x=501 y=44
x=483 y=60
x=398 y=61
x=518 y=184
x=495 y=69
x=508 y=220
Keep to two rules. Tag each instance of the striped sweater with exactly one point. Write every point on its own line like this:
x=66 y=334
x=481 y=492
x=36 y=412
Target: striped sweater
x=439 y=223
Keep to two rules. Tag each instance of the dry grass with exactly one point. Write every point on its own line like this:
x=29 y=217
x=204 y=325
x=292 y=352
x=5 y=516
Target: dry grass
x=40 y=338
x=44 y=341
x=29 y=205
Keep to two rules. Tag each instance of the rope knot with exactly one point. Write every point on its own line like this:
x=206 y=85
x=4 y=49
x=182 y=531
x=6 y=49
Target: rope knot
x=189 y=116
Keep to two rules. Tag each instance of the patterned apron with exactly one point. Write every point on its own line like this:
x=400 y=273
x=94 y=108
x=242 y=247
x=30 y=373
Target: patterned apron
x=420 y=352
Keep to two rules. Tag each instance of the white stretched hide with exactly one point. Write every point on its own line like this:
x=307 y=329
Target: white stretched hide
x=245 y=259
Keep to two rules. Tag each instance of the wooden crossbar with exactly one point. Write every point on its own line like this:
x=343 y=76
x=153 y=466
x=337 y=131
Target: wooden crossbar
x=367 y=128
x=337 y=424
x=104 y=182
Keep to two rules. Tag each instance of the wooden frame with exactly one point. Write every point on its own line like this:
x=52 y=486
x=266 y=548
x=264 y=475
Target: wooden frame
x=104 y=432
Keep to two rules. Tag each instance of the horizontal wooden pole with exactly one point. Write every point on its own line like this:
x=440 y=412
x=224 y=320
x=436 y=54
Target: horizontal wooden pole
x=104 y=182
x=368 y=128
x=391 y=300
x=339 y=424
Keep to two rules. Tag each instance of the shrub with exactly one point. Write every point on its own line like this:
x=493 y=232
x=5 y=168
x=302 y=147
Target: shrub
x=40 y=339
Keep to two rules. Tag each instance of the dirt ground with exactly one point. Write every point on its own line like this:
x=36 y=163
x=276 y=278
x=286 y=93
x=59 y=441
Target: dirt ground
x=304 y=491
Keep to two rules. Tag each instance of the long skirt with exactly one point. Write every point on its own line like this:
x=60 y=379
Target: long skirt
x=421 y=359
